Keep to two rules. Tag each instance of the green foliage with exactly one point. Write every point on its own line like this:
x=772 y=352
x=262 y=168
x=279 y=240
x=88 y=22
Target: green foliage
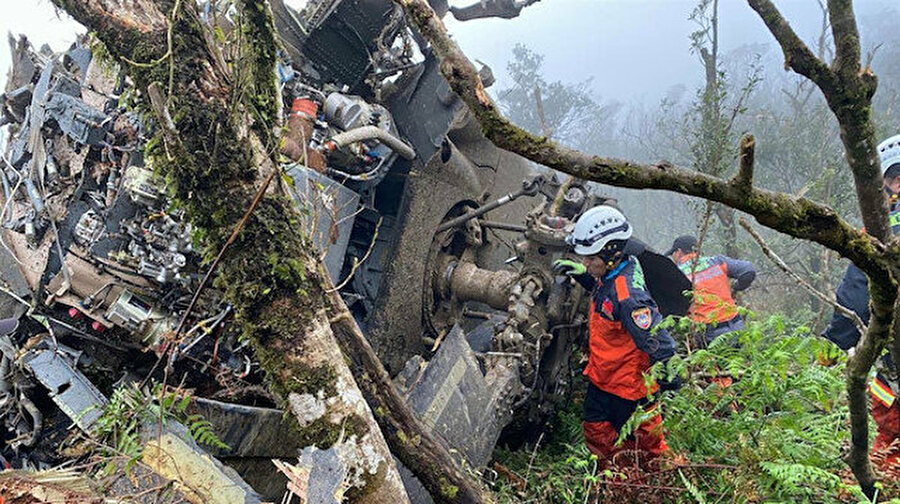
x=130 y=408
x=202 y=431
x=564 y=477
x=781 y=424
x=775 y=435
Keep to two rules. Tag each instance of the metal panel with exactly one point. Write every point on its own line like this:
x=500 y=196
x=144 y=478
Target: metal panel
x=453 y=399
x=69 y=389
x=328 y=210
x=249 y=431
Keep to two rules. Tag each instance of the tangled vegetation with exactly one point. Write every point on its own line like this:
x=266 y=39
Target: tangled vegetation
x=132 y=409
x=777 y=434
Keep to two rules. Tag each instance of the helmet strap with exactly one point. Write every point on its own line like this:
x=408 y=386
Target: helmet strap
x=610 y=257
x=892 y=197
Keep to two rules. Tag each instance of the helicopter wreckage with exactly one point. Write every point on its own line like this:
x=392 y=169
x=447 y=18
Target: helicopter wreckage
x=440 y=243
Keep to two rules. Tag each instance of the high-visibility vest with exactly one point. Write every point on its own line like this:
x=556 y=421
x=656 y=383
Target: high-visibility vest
x=712 y=290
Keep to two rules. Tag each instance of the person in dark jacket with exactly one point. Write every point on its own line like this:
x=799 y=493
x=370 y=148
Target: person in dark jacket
x=713 y=304
x=853 y=293
x=624 y=340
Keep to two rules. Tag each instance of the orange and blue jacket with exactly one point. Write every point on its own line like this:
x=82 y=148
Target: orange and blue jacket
x=712 y=302
x=624 y=340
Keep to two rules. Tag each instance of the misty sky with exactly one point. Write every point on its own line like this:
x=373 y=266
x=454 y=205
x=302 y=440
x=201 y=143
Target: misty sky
x=634 y=50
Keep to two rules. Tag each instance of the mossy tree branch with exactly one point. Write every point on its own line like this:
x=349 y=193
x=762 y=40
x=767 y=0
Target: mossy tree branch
x=744 y=177
x=849 y=98
x=798 y=217
x=846 y=38
x=444 y=480
x=848 y=89
x=797 y=54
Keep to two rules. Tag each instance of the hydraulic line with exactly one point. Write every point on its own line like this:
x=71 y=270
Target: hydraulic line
x=374 y=133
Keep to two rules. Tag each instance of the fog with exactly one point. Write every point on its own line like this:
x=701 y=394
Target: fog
x=634 y=50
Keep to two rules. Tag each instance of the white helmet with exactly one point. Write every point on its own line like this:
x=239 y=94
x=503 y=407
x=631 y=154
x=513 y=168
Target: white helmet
x=596 y=228
x=889 y=152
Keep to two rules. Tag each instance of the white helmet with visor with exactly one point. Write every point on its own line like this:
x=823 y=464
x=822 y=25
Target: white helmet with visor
x=597 y=228
x=889 y=152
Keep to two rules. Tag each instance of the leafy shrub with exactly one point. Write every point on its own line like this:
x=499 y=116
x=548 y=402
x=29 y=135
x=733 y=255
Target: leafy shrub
x=118 y=430
x=777 y=434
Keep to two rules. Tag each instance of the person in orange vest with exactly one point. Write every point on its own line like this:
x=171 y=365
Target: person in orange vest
x=853 y=293
x=624 y=340
x=713 y=304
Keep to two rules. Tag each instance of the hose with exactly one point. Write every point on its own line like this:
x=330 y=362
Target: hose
x=37 y=420
x=374 y=133
x=371 y=175
x=34 y=196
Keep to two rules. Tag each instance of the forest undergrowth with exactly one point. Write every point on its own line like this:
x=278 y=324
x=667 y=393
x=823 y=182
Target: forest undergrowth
x=778 y=433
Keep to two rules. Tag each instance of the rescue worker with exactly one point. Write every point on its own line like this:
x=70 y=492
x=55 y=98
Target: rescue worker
x=712 y=304
x=853 y=293
x=624 y=340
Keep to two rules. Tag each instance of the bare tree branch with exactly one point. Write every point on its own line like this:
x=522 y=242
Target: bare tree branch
x=539 y=103
x=767 y=250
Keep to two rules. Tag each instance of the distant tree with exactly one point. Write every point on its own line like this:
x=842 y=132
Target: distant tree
x=558 y=110
x=713 y=115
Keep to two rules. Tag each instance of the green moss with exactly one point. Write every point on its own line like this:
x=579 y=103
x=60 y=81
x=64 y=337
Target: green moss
x=269 y=274
x=320 y=433
x=371 y=481
x=448 y=490
x=259 y=29
x=323 y=434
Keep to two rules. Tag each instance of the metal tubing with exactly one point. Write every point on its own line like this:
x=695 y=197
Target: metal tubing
x=37 y=420
x=471 y=283
x=34 y=195
x=375 y=133
x=529 y=187
x=504 y=226
x=478 y=211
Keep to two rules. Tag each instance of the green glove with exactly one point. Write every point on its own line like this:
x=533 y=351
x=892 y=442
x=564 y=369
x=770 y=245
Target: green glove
x=568 y=267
